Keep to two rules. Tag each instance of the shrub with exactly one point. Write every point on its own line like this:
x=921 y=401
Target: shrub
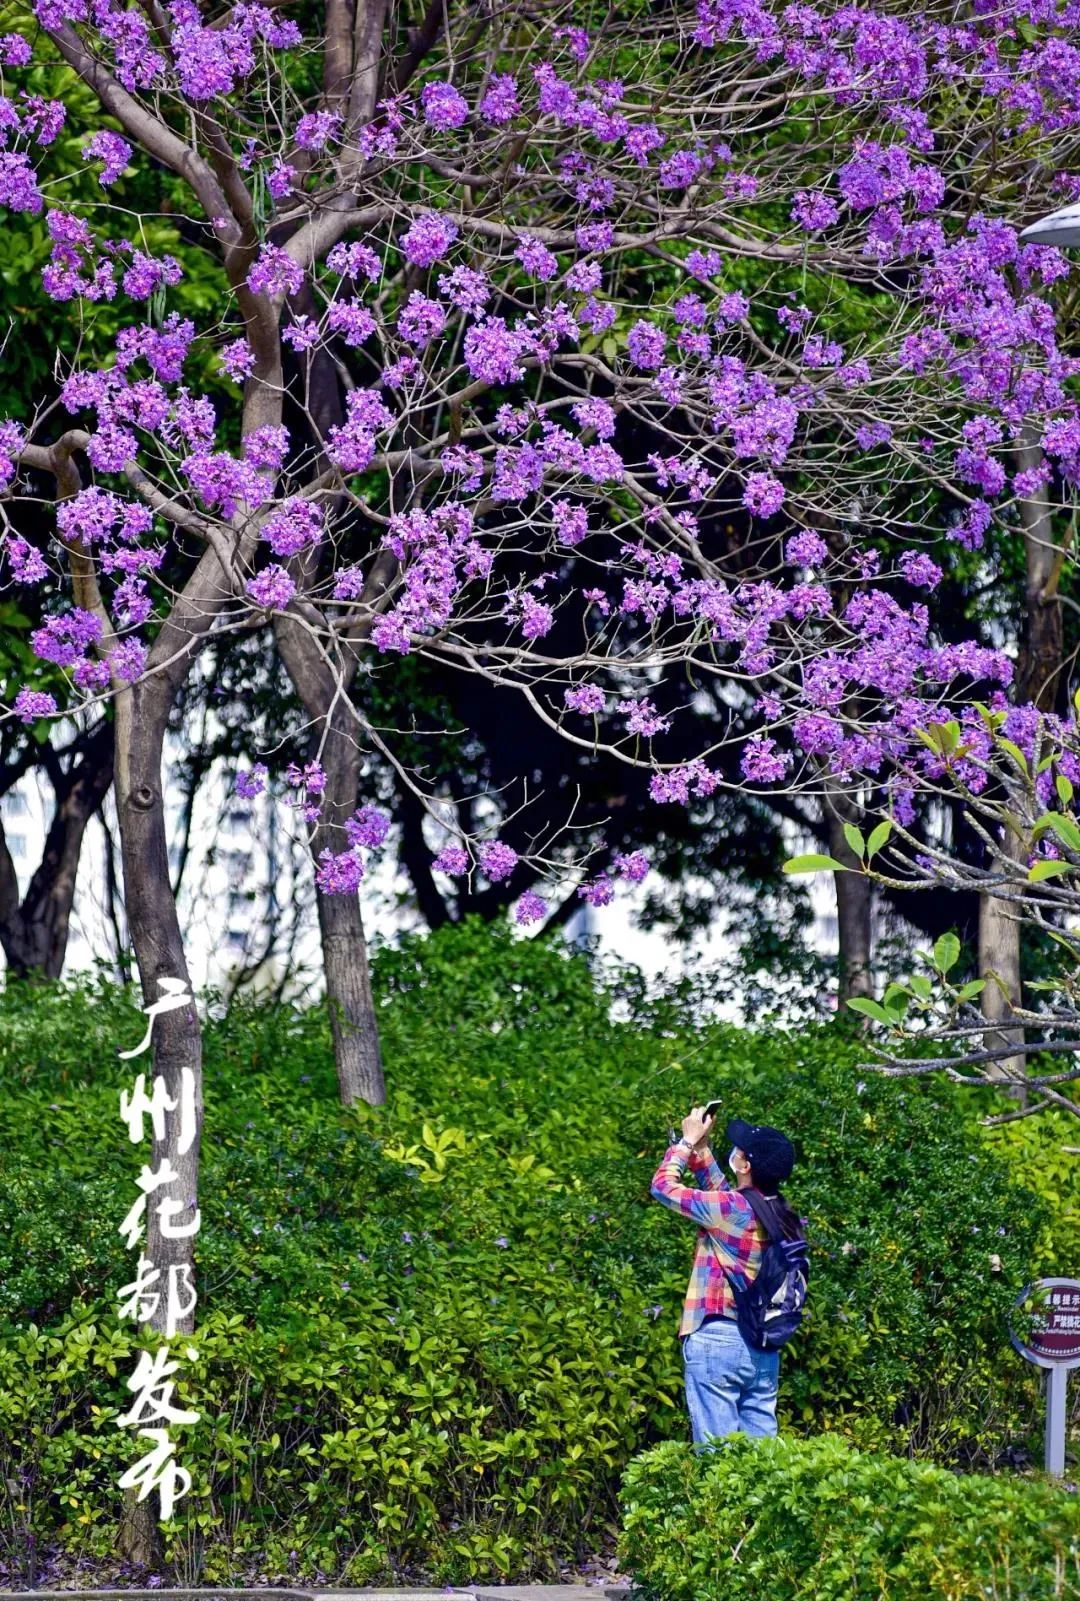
x=432 y=1335
x=814 y=1520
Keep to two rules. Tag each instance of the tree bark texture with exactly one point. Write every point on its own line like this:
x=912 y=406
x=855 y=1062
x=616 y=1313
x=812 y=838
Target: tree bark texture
x=176 y=1042
x=999 y=964
x=357 y=1055
x=1040 y=680
x=34 y=934
x=854 y=901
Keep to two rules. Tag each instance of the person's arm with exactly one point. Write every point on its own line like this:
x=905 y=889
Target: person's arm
x=711 y=1209
x=706 y=1169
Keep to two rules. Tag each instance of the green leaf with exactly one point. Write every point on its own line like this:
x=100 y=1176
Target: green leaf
x=946 y=952
x=1015 y=752
x=878 y=837
x=855 y=840
x=973 y=987
x=815 y=864
x=941 y=737
x=1048 y=869
x=872 y=1009
x=922 y=986
x=1064 y=788
x=1065 y=829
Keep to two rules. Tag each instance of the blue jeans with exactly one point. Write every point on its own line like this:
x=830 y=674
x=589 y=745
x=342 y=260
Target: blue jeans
x=730 y=1388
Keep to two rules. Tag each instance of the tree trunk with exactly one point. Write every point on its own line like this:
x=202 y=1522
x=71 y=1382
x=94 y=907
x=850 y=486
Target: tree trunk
x=854 y=902
x=1039 y=679
x=999 y=964
x=1039 y=676
x=34 y=935
x=176 y=1044
x=345 y=954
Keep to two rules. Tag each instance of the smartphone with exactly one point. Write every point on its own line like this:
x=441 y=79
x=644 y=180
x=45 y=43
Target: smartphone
x=712 y=1107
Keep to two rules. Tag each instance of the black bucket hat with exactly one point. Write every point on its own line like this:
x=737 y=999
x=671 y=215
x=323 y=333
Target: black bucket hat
x=771 y=1154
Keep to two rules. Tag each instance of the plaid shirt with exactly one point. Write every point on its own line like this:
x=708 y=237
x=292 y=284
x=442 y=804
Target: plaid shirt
x=729 y=1231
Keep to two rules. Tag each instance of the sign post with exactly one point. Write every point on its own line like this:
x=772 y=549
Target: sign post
x=1053 y=1343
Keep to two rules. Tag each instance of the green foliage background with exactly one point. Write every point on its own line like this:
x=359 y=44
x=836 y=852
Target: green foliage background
x=431 y=1337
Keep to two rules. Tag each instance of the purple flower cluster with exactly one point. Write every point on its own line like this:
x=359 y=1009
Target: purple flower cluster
x=351 y=445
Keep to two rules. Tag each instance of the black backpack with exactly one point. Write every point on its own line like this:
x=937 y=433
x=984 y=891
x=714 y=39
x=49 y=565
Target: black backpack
x=769 y=1308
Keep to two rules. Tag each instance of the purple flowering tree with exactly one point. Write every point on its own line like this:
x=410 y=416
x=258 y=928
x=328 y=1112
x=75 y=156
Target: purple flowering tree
x=519 y=317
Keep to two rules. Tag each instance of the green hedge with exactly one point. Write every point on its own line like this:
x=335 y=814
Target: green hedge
x=432 y=1336
x=815 y=1520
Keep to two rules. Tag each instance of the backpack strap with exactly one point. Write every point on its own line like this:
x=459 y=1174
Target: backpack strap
x=759 y=1205
x=795 y=1250
x=761 y=1209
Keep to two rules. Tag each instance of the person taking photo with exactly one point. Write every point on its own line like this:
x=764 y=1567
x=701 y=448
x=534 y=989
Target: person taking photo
x=731 y=1386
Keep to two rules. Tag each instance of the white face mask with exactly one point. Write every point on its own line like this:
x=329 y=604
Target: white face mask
x=731 y=1159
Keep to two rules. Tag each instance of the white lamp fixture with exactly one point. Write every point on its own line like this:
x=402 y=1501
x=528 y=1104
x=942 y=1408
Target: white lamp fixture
x=1060 y=228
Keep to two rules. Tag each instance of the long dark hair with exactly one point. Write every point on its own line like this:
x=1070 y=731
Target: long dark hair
x=788 y=1221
